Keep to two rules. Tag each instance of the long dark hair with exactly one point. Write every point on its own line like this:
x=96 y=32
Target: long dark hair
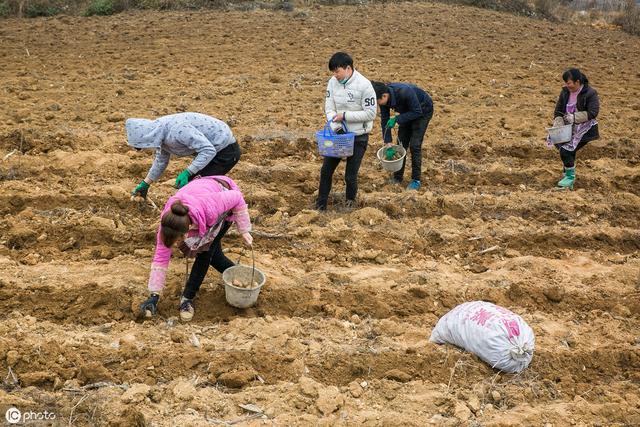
x=174 y=223
x=575 y=75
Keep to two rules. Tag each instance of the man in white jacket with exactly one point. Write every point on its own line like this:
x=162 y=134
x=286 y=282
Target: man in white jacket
x=350 y=101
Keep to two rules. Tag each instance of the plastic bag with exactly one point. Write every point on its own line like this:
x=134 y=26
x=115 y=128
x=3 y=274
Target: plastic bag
x=496 y=335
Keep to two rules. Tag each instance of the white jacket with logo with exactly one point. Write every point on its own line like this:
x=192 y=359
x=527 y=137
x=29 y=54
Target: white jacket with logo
x=356 y=98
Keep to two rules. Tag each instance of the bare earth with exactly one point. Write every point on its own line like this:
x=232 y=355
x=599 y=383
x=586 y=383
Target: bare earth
x=340 y=332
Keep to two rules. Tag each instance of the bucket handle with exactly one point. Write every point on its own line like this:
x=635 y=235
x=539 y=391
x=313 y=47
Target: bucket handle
x=253 y=263
x=327 y=126
x=386 y=129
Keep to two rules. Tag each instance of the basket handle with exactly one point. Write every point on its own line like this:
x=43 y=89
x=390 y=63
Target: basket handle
x=327 y=126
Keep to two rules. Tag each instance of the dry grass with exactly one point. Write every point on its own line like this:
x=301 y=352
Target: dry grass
x=629 y=20
x=546 y=9
x=518 y=7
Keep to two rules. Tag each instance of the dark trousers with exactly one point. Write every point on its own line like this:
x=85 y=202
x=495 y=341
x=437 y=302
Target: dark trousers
x=213 y=257
x=411 y=136
x=222 y=163
x=350 y=175
x=569 y=157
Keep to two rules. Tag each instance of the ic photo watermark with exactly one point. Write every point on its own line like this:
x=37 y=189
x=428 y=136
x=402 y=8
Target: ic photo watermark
x=15 y=416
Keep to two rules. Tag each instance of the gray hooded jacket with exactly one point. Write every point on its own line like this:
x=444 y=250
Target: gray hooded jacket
x=180 y=134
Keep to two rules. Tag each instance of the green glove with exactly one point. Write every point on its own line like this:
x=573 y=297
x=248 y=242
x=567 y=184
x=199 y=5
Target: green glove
x=392 y=122
x=141 y=189
x=389 y=153
x=183 y=178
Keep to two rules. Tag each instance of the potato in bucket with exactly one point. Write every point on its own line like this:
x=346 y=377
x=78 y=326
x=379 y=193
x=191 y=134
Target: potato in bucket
x=242 y=284
x=395 y=164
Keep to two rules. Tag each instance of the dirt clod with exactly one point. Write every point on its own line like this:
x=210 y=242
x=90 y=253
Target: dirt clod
x=237 y=379
x=554 y=293
x=329 y=400
x=93 y=372
x=398 y=375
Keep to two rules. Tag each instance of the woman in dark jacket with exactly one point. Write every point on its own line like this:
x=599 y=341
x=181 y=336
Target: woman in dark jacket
x=577 y=105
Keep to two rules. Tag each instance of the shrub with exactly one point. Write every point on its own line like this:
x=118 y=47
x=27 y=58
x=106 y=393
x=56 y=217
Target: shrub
x=101 y=8
x=518 y=7
x=172 y=4
x=4 y=9
x=630 y=18
x=545 y=8
x=36 y=9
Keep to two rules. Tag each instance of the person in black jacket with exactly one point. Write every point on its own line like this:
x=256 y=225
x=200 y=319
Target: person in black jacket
x=578 y=105
x=415 y=109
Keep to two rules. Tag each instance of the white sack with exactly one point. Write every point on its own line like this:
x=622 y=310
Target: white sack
x=494 y=334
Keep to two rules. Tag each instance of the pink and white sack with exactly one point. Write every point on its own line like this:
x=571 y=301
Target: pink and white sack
x=494 y=334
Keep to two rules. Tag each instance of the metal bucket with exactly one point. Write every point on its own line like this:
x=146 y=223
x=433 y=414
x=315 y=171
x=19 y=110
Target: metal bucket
x=560 y=134
x=242 y=297
x=392 y=165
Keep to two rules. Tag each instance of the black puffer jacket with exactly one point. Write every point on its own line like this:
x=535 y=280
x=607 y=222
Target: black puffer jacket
x=587 y=101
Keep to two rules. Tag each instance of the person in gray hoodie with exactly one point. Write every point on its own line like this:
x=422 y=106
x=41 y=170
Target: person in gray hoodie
x=184 y=134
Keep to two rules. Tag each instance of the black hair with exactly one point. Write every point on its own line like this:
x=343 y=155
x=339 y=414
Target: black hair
x=340 y=60
x=575 y=75
x=174 y=223
x=380 y=89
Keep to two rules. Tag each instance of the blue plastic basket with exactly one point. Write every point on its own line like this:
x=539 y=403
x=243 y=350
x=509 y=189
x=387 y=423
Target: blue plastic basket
x=331 y=144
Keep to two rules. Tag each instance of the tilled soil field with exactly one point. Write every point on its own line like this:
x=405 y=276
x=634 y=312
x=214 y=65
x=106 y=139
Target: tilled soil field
x=340 y=333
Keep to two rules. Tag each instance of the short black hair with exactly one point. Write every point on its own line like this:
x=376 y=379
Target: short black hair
x=380 y=89
x=340 y=60
x=575 y=75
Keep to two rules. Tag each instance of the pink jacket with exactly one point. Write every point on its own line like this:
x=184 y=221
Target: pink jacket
x=207 y=200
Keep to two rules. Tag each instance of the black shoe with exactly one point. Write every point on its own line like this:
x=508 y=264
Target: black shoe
x=187 y=310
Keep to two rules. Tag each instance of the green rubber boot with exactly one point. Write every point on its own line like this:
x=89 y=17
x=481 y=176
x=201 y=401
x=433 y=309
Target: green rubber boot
x=564 y=174
x=568 y=179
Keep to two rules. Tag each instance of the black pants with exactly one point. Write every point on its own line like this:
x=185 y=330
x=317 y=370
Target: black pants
x=411 y=136
x=569 y=157
x=350 y=175
x=222 y=163
x=213 y=257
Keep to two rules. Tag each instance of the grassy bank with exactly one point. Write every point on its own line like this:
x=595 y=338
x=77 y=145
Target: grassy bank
x=622 y=13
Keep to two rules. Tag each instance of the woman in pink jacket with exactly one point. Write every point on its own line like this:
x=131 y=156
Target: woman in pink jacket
x=197 y=218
